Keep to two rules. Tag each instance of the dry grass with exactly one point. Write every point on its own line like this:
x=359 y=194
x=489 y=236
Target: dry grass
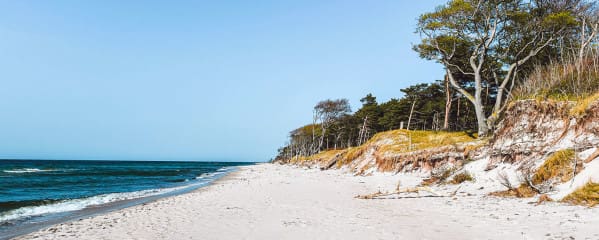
x=583 y=104
x=461 y=177
x=544 y=198
x=323 y=156
x=351 y=154
x=523 y=191
x=398 y=141
x=562 y=80
x=558 y=165
x=327 y=155
x=587 y=195
x=407 y=141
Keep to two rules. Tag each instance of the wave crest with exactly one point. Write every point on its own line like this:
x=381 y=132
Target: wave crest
x=28 y=170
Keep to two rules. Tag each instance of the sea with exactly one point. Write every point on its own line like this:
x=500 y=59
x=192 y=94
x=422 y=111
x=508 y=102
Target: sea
x=37 y=193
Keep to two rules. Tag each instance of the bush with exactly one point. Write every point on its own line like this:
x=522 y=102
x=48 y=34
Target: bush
x=439 y=175
x=462 y=177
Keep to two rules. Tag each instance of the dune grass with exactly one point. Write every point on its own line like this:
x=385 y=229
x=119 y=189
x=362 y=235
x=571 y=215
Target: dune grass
x=394 y=141
x=587 y=195
x=583 y=104
x=407 y=141
x=568 y=80
x=401 y=140
x=321 y=156
x=558 y=165
x=351 y=154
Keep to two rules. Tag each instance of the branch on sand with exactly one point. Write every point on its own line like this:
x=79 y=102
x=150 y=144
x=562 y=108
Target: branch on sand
x=417 y=190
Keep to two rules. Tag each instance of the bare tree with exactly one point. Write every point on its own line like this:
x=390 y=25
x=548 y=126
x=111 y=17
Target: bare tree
x=411 y=112
x=589 y=26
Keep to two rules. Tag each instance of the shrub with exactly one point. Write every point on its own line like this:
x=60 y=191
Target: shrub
x=462 y=177
x=439 y=175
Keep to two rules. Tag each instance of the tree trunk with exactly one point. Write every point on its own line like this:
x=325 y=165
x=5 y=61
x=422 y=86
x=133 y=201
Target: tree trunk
x=447 y=103
x=362 y=134
x=481 y=118
x=324 y=130
x=476 y=100
x=585 y=40
x=410 y=118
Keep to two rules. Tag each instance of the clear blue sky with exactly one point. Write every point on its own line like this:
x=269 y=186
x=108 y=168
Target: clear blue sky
x=192 y=80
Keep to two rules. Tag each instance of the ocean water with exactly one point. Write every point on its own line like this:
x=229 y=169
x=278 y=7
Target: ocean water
x=37 y=191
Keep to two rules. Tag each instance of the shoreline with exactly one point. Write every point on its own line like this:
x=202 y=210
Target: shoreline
x=270 y=201
x=99 y=210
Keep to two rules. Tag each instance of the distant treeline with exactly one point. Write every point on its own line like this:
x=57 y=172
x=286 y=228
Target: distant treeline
x=493 y=51
x=423 y=107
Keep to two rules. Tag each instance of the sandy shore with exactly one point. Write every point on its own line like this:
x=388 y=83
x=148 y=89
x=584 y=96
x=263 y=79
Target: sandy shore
x=283 y=202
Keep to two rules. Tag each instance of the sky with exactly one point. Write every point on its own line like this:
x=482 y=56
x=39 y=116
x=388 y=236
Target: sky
x=192 y=80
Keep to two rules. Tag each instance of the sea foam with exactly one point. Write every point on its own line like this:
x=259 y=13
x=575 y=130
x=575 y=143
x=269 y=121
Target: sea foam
x=28 y=170
x=81 y=203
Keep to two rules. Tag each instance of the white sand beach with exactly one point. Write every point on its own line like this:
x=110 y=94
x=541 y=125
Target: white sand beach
x=269 y=201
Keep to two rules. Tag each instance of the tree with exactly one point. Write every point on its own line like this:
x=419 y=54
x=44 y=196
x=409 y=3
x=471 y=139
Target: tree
x=369 y=113
x=334 y=124
x=393 y=114
x=428 y=101
x=488 y=41
x=327 y=112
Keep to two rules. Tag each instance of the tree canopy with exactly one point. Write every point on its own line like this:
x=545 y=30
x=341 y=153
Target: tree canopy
x=485 y=43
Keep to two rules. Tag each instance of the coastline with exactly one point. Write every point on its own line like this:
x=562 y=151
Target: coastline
x=98 y=210
x=270 y=201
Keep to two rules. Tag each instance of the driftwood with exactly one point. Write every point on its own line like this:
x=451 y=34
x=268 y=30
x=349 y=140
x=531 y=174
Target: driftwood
x=592 y=157
x=417 y=190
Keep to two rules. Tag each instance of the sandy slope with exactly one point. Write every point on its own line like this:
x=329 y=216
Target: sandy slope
x=283 y=202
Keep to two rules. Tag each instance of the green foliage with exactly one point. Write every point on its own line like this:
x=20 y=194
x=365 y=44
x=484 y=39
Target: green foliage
x=344 y=129
x=370 y=111
x=429 y=109
x=560 y=20
x=458 y=34
x=485 y=45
